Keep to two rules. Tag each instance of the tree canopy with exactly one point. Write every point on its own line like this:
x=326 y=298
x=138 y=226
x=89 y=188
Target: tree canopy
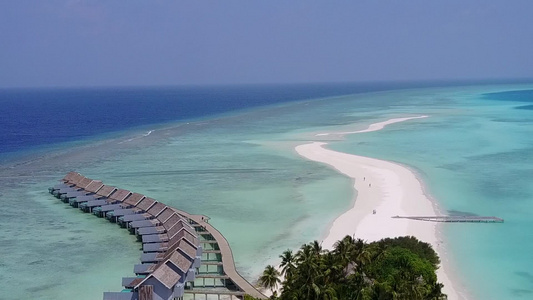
x=389 y=269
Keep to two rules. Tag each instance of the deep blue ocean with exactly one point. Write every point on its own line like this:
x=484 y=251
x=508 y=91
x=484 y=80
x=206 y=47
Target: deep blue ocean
x=522 y=96
x=36 y=117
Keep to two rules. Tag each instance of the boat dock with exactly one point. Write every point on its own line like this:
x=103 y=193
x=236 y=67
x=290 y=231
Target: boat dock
x=184 y=257
x=453 y=219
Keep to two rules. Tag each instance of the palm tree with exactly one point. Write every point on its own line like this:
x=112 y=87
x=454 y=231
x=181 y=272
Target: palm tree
x=360 y=254
x=307 y=260
x=378 y=251
x=287 y=264
x=331 y=271
x=270 y=278
x=344 y=249
x=317 y=247
x=308 y=264
x=436 y=292
x=328 y=293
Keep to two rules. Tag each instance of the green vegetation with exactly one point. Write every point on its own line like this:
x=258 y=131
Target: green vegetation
x=270 y=278
x=399 y=268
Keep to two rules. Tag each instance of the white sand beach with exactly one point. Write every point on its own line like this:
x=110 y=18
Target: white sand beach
x=388 y=188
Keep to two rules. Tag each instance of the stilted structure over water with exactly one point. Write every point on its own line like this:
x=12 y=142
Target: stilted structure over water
x=174 y=243
x=453 y=219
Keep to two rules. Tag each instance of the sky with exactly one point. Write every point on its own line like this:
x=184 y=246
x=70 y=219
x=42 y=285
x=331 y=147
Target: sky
x=73 y=43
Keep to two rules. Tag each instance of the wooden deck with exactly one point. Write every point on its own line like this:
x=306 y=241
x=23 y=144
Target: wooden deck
x=212 y=251
x=208 y=242
x=227 y=259
x=215 y=276
x=453 y=219
x=212 y=263
x=198 y=291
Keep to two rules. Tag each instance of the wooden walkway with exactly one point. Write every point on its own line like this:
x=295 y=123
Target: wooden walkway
x=212 y=251
x=207 y=242
x=212 y=263
x=216 y=276
x=228 y=264
x=198 y=291
x=453 y=219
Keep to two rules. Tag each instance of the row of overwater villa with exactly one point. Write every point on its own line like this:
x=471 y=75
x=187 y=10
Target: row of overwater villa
x=180 y=250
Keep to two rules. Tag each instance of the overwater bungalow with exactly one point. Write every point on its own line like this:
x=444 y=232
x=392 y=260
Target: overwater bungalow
x=70 y=180
x=167 y=278
x=142 y=206
x=103 y=193
x=172 y=250
x=164 y=232
x=154 y=226
x=125 y=221
x=164 y=246
x=167 y=271
x=78 y=186
x=100 y=209
x=118 y=196
x=113 y=215
x=90 y=189
x=150 y=218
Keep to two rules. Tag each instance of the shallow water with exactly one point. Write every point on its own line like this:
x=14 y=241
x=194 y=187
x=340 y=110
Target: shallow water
x=475 y=159
x=242 y=171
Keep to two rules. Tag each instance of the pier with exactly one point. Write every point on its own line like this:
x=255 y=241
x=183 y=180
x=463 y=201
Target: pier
x=453 y=219
x=184 y=257
x=228 y=264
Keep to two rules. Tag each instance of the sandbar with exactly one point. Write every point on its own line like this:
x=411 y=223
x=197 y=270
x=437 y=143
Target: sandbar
x=387 y=188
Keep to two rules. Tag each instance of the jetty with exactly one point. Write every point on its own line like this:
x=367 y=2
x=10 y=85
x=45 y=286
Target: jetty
x=453 y=219
x=183 y=256
x=228 y=264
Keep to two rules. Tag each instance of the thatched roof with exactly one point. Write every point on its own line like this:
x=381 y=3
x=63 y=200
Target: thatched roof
x=181 y=261
x=71 y=176
x=84 y=182
x=120 y=195
x=156 y=209
x=174 y=229
x=94 y=186
x=171 y=221
x=191 y=237
x=166 y=275
x=168 y=270
x=165 y=214
x=146 y=203
x=78 y=179
x=134 y=199
x=187 y=248
x=106 y=190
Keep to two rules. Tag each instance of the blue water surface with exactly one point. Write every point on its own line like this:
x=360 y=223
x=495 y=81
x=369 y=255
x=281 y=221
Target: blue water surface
x=522 y=96
x=34 y=117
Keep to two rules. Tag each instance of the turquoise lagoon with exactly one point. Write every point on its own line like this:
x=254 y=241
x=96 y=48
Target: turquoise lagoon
x=474 y=154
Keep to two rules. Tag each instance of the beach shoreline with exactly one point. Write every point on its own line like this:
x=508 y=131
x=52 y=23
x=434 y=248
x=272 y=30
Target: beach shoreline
x=384 y=189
